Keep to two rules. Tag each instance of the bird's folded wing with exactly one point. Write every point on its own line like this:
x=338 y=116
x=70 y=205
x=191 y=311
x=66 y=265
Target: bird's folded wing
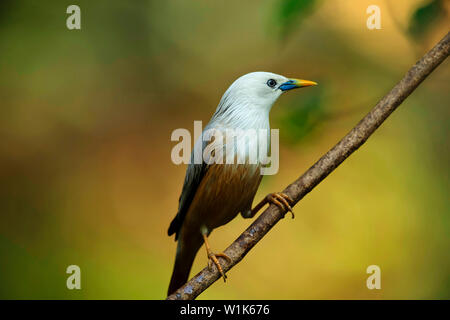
x=194 y=175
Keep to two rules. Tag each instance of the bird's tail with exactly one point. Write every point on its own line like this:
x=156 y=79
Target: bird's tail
x=183 y=262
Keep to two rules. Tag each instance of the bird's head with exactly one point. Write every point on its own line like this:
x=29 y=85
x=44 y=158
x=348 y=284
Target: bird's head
x=261 y=89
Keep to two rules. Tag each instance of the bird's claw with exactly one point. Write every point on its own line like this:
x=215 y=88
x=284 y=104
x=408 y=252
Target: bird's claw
x=281 y=199
x=212 y=258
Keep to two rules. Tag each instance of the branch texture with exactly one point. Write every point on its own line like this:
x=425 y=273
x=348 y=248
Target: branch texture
x=321 y=169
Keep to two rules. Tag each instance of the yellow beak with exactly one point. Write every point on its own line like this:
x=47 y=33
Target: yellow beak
x=296 y=83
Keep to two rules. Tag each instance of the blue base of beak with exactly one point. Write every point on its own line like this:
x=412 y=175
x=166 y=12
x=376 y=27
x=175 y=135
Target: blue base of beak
x=285 y=87
x=288 y=85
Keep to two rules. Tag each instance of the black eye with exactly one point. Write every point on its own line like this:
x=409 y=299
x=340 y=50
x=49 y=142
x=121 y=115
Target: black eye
x=271 y=83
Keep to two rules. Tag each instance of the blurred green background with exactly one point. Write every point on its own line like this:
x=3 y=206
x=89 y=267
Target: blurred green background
x=85 y=123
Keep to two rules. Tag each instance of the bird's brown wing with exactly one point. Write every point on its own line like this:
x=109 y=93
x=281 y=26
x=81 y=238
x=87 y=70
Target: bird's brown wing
x=194 y=175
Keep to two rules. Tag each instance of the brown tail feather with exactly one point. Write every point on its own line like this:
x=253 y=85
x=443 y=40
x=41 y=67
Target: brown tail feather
x=184 y=259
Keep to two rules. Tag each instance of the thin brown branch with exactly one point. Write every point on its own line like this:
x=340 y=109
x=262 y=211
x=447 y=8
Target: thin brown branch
x=321 y=169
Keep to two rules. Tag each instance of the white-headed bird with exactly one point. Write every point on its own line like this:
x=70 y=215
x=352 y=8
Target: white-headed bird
x=214 y=193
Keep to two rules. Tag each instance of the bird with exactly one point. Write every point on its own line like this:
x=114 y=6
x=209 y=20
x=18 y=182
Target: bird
x=215 y=193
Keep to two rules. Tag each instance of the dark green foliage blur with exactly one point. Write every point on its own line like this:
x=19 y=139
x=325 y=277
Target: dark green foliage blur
x=424 y=17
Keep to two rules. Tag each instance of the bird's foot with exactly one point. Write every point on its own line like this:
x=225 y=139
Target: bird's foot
x=212 y=258
x=281 y=200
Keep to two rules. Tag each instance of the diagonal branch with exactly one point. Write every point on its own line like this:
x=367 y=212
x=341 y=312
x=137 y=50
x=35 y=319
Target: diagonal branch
x=321 y=169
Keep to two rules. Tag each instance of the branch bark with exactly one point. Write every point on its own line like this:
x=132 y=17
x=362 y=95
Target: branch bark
x=321 y=169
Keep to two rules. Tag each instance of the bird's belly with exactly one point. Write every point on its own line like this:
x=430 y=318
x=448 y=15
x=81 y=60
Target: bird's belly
x=226 y=190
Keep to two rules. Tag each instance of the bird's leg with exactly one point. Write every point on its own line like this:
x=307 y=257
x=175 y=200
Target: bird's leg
x=280 y=199
x=212 y=257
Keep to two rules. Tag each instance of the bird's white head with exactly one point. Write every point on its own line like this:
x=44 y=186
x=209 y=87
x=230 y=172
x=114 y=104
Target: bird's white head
x=255 y=93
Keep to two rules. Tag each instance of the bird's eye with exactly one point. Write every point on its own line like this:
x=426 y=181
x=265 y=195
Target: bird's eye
x=271 y=83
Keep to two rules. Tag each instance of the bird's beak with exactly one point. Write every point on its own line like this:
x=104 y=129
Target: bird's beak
x=296 y=83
